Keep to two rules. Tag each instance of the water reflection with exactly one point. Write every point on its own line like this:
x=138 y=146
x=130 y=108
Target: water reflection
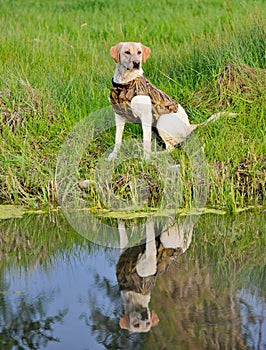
x=201 y=282
x=24 y=322
x=139 y=267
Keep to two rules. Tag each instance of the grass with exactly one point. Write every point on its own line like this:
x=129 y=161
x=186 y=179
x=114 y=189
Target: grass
x=56 y=70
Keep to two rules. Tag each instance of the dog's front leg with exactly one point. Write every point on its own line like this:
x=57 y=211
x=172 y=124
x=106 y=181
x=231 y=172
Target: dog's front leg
x=122 y=236
x=119 y=123
x=146 y=129
x=147 y=262
x=142 y=108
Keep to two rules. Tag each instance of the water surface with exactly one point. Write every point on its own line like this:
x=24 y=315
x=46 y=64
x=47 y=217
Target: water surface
x=61 y=291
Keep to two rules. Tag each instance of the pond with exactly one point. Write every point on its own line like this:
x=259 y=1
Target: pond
x=196 y=282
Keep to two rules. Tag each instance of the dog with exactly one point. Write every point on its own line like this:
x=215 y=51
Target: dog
x=135 y=99
x=139 y=267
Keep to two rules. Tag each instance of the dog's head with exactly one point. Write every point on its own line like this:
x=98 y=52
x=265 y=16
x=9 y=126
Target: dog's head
x=130 y=54
x=139 y=320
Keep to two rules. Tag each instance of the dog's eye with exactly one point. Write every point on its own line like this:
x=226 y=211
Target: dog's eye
x=127 y=52
x=136 y=325
x=139 y=52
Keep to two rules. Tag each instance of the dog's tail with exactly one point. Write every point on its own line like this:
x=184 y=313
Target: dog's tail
x=217 y=116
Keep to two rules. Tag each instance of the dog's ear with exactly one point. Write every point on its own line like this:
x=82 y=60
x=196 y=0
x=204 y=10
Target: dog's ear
x=124 y=322
x=145 y=52
x=154 y=318
x=115 y=52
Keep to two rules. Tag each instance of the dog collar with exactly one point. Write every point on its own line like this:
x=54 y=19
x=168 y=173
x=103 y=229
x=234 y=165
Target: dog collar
x=118 y=85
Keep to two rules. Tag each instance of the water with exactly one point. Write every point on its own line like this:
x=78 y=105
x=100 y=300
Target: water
x=61 y=291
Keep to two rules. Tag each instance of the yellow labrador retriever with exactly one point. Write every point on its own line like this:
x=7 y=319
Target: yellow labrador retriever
x=135 y=99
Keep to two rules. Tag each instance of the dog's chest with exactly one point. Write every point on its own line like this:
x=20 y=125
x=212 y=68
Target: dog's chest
x=122 y=94
x=126 y=271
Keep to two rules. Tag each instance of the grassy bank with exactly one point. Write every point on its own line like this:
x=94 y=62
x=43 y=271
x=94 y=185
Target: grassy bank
x=55 y=70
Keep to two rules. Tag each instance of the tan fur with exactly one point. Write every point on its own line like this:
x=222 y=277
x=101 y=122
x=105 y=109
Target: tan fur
x=114 y=51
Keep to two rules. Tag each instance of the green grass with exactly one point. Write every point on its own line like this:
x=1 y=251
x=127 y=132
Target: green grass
x=56 y=69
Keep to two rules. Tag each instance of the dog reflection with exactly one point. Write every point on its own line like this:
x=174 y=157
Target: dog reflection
x=139 y=267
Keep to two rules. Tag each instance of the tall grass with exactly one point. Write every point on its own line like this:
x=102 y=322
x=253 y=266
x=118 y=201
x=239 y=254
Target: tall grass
x=56 y=69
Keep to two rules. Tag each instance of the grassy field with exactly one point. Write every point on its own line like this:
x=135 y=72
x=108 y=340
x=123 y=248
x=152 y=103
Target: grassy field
x=56 y=69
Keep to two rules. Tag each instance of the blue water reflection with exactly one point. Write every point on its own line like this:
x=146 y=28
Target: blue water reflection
x=73 y=298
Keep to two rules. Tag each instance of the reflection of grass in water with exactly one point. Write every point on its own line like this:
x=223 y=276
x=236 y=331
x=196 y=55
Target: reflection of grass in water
x=32 y=242
x=237 y=241
x=56 y=71
x=233 y=245
x=202 y=304
x=37 y=240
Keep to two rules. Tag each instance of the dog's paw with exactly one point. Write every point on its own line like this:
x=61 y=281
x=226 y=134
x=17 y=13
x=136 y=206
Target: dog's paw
x=85 y=183
x=112 y=156
x=175 y=168
x=147 y=155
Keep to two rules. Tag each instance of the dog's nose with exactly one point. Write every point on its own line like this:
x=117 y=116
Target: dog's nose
x=144 y=315
x=136 y=64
